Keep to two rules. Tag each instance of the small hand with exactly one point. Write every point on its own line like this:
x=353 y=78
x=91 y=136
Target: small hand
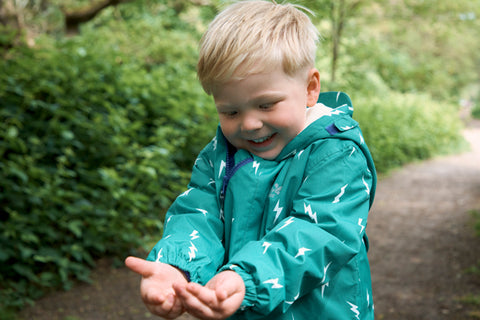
x=156 y=287
x=218 y=299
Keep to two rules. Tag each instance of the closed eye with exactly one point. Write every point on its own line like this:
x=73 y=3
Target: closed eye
x=229 y=113
x=266 y=106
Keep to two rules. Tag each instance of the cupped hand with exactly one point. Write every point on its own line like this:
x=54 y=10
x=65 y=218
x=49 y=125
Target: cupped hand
x=156 y=287
x=218 y=299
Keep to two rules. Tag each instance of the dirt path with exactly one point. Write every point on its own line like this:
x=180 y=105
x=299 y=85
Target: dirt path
x=421 y=247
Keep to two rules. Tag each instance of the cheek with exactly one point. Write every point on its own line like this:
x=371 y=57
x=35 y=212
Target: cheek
x=228 y=127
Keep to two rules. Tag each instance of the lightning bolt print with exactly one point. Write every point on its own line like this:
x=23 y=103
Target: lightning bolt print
x=360 y=224
x=159 y=255
x=191 y=253
x=354 y=309
x=266 y=245
x=367 y=188
x=186 y=192
x=256 y=165
x=290 y=220
x=325 y=269
x=335 y=112
x=301 y=252
x=294 y=299
x=308 y=210
x=203 y=211
x=222 y=166
x=362 y=141
x=194 y=235
x=274 y=283
x=342 y=191
x=353 y=151
x=278 y=210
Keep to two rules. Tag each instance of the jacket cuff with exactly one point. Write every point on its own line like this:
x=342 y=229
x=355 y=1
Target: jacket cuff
x=250 y=288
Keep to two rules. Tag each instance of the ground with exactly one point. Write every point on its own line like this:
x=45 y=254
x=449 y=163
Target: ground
x=422 y=245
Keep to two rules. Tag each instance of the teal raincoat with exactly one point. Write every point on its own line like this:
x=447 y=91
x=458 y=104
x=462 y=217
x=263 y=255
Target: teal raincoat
x=293 y=228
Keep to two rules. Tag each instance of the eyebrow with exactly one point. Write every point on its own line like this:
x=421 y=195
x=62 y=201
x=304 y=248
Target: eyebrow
x=256 y=100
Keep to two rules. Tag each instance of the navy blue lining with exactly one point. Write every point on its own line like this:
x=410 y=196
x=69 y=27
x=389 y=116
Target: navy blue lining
x=332 y=129
x=231 y=168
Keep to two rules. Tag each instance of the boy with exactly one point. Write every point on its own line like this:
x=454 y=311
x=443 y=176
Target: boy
x=272 y=225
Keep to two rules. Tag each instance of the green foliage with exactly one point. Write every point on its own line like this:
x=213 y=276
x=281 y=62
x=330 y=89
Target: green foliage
x=400 y=128
x=94 y=150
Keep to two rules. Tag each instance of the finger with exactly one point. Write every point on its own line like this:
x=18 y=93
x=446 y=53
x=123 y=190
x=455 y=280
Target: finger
x=140 y=266
x=196 y=301
x=205 y=295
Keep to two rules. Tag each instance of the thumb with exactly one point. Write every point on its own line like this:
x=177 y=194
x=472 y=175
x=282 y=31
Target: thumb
x=142 y=267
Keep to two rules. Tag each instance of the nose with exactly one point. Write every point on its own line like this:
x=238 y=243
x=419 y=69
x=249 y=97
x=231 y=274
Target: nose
x=251 y=122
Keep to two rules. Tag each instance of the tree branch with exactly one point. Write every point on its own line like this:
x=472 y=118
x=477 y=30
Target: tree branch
x=74 y=19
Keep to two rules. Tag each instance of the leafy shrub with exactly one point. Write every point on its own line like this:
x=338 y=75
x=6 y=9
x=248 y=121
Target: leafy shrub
x=94 y=150
x=401 y=128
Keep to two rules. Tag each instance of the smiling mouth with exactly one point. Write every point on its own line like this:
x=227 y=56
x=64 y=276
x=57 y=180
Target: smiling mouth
x=263 y=140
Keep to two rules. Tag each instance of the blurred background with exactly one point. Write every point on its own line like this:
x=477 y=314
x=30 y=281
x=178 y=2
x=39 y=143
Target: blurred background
x=102 y=116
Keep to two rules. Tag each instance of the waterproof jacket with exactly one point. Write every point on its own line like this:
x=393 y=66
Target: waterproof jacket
x=293 y=228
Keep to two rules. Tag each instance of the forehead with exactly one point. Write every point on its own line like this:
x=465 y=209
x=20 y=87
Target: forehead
x=257 y=88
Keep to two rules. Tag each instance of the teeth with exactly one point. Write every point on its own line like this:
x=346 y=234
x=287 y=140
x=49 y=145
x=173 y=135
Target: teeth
x=261 y=139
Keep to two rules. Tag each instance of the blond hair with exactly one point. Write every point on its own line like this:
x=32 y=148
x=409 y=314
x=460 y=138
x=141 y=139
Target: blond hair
x=251 y=37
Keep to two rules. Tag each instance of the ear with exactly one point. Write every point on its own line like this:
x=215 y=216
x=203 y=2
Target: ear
x=313 y=87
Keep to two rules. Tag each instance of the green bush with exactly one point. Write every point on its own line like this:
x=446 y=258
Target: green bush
x=400 y=128
x=93 y=151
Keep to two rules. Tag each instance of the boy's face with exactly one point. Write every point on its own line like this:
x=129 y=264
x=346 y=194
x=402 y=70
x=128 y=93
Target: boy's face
x=264 y=112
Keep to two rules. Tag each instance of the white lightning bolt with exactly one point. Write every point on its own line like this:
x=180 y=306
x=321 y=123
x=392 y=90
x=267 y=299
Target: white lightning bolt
x=360 y=224
x=361 y=138
x=274 y=282
x=277 y=210
x=203 y=211
x=300 y=153
x=294 y=299
x=368 y=299
x=335 y=111
x=323 y=287
x=301 y=252
x=256 y=165
x=290 y=220
x=308 y=210
x=367 y=188
x=193 y=249
x=325 y=271
x=222 y=166
x=186 y=192
x=211 y=181
x=342 y=191
x=338 y=96
x=354 y=309
x=214 y=143
x=159 y=255
x=347 y=128
x=266 y=245
x=353 y=150
x=194 y=235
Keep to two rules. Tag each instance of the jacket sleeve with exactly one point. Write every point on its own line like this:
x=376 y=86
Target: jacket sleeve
x=193 y=229
x=323 y=232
